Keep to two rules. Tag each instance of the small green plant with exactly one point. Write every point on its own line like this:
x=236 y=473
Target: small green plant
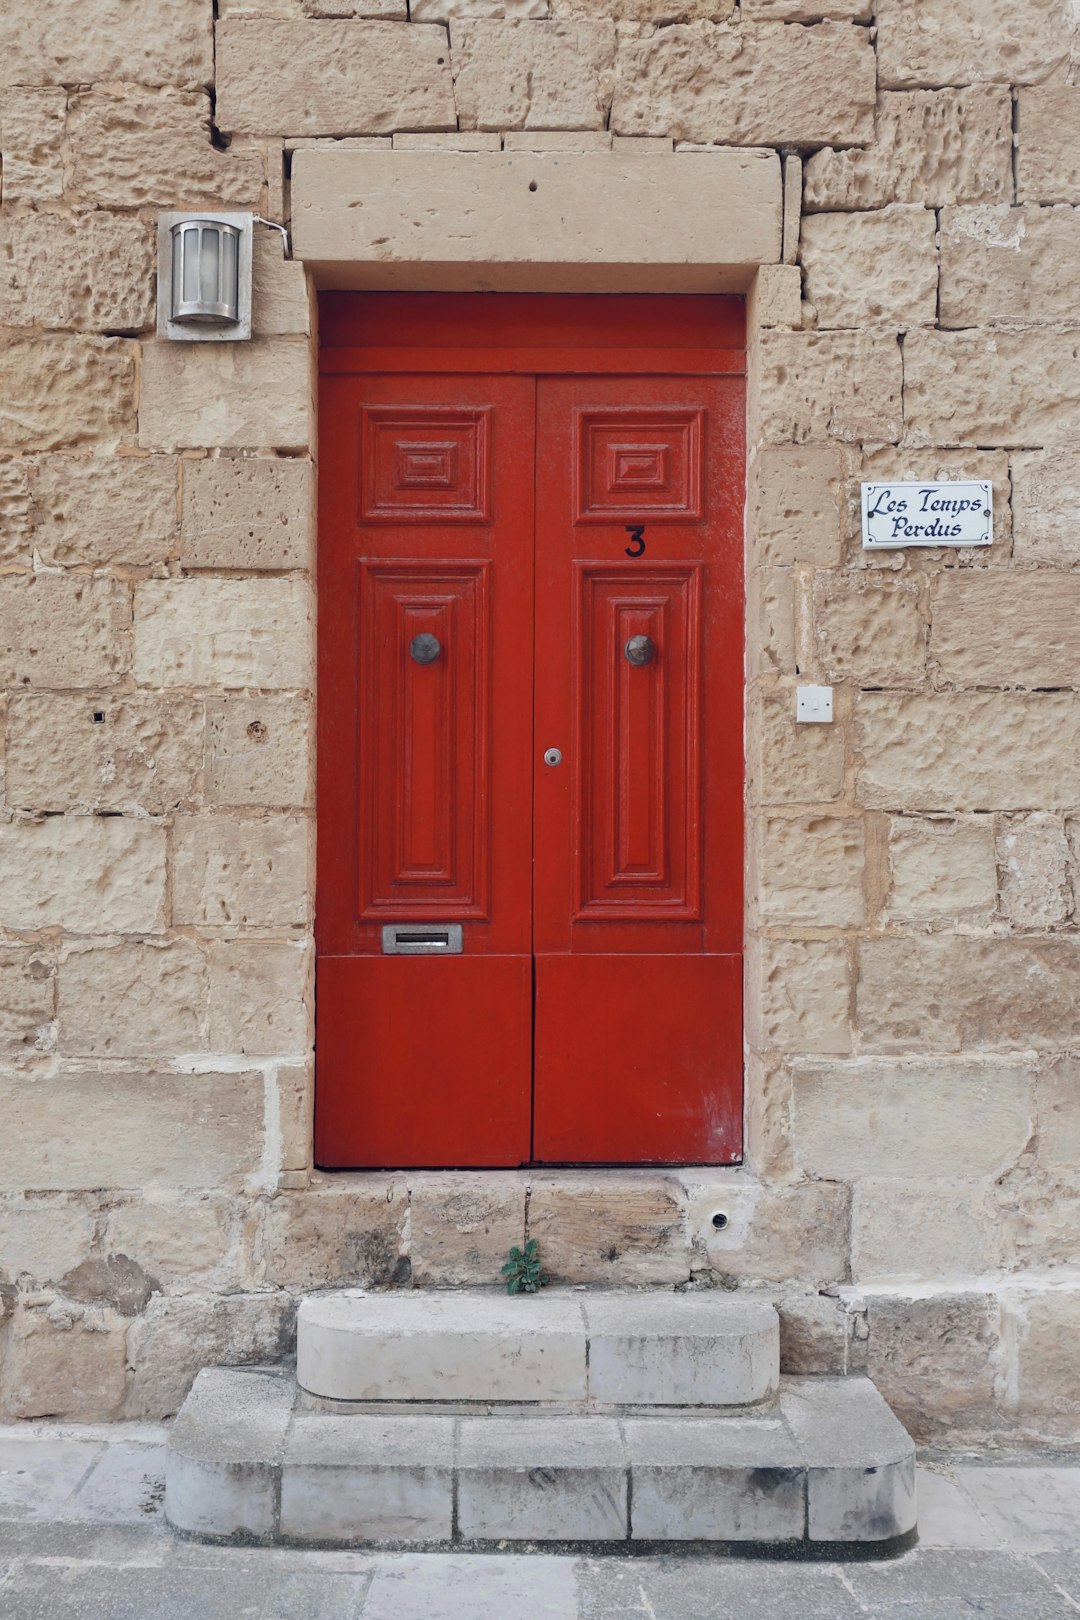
x=522 y=1269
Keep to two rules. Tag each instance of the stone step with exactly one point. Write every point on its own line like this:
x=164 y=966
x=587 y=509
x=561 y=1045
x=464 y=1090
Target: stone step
x=656 y=1349
x=823 y=1469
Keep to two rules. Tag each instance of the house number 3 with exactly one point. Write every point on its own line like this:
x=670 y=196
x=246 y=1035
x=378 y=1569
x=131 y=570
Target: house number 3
x=636 y=548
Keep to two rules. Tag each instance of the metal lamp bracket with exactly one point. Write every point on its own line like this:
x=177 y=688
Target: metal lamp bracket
x=193 y=332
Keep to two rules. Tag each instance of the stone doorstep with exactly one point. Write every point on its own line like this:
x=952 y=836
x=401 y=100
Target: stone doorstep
x=626 y=1349
x=825 y=1469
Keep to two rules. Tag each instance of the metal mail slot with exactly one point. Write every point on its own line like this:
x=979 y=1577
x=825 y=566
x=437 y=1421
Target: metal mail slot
x=421 y=939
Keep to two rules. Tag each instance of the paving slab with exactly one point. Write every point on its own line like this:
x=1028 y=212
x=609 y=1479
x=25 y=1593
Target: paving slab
x=932 y=1574
x=1062 y=1569
x=96 y=1592
x=947 y=1515
x=223 y=1469
x=681 y=1349
x=368 y=1479
x=435 y=1587
x=1031 y=1509
x=711 y=1589
x=543 y=1479
x=38 y=1476
x=126 y=1485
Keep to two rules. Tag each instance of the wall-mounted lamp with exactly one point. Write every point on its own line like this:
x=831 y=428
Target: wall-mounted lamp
x=204 y=277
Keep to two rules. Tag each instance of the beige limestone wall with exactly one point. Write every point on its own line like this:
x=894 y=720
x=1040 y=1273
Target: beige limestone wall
x=912 y=1186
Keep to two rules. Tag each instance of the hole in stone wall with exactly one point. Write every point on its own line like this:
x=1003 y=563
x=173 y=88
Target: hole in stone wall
x=719 y=1220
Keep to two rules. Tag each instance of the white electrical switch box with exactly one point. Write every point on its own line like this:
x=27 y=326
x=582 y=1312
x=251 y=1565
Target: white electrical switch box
x=813 y=704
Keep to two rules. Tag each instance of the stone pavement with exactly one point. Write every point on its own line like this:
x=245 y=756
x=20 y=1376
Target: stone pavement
x=82 y=1538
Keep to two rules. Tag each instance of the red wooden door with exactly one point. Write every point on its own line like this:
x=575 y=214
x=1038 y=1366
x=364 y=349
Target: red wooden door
x=576 y=996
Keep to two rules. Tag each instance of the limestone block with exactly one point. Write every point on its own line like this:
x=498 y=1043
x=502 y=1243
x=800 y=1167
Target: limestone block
x=633 y=11
x=71 y=391
x=805 y=10
x=1048 y=150
x=27 y=994
x=179 y=1335
x=869 y=628
x=993 y=388
x=1045 y=501
x=15 y=512
x=31 y=133
x=175 y=1238
x=223 y=632
x=987 y=993
x=296 y=1109
x=933 y=147
x=1057 y=1091
x=794 y=504
x=802 y=1231
x=770 y=607
x=63 y=629
x=1033 y=856
x=225 y=395
x=244 y=513
x=934 y=1359
x=789 y=763
x=793 y=204
x=68 y=42
x=814 y=1333
x=620 y=1229
x=46 y=281
x=131 y=147
x=517 y=75
x=826 y=385
x=43 y=1238
x=461 y=1226
x=79 y=1128
x=86 y=874
x=906 y=1118
x=770 y=85
x=261 y=996
x=345 y=1232
x=970 y=41
x=1046 y=1323
x=386 y=10
x=121 y=509
x=1002 y=265
x=1038 y=1216
x=797 y=996
x=331 y=78
x=1003 y=628
x=542 y=140
x=810 y=871
x=941 y=870
x=141 y=753
x=883 y=462
x=872 y=269
x=258 y=750
x=968 y=750
x=132 y=1000
x=457 y=140
x=65 y=1364
x=252 y=874
x=280 y=303
x=918 y=1231
x=776 y=293
x=767 y=1124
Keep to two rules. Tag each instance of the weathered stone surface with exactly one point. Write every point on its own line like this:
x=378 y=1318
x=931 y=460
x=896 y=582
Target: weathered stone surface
x=640 y=11
x=789 y=763
x=881 y=463
x=1002 y=265
x=970 y=41
x=770 y=606
x=280 y=300
x=919 y=1231
x=222 y=632
x=112 y=1280
x=987 y=994
x=993 y=388
x=801 y=1231
x=349 y=1232
x=1047 y=1321
x=769 y=85
x=935 y=1359
x=295 y=1084
x=83 y=1128
x=776 y=293
x=15 y=512
x=70 y=391
x=239 y=512
x=1038 y=1215
x=1048 y=152
x=521 y=75
x=932 y=147
x=331 y=78
x=47 y=281
x=1057 y=1094
x=86 y=874
x=959 y=1118
x=1045 y=502
x=872 y=269
x=794 y=504
x=1000 y=628
x=63 y=630
x=461 y=1227
x=815 y=1331
x=70 y=43
x=229 y=873
x=65 y=1362
x=827 y=385
x=930 y=752
x=810 y=871
x=225 y=395
x=132 y=1000
x=31 y=133
x=260 y=996
x=135 y=753
x=804 y=10
x=132 y=147
x=179 y=1335
x=610 y=1230
x=119 y=509
x=941 y=870
x=258 y=750
x=42 y=1238
x=1033 y=856
x=176 y=1238
x=869 y=628
x=27 y=986
x=797 y=996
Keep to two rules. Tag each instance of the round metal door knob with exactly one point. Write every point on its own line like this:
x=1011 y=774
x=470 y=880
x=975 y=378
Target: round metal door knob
x=425 y=649
x=552 y=756
x=640 y=650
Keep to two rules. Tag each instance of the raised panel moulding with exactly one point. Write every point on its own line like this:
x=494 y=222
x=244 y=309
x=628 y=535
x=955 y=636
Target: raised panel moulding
x=537 y=222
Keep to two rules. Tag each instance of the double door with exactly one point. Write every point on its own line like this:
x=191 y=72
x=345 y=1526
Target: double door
x=530 y=790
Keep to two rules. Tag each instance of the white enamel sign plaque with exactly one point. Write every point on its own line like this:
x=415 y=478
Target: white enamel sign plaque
x=926 y=515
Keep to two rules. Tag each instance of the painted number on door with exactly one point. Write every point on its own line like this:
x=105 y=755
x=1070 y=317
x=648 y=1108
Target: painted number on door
x=636 y=548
